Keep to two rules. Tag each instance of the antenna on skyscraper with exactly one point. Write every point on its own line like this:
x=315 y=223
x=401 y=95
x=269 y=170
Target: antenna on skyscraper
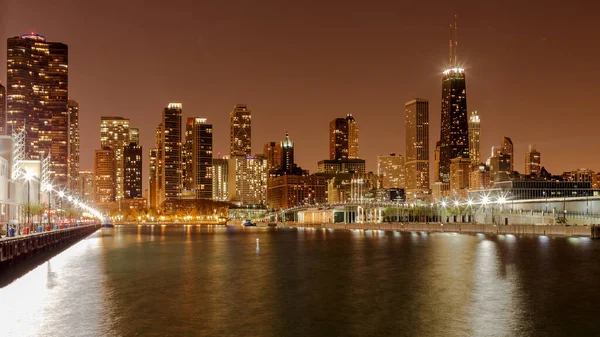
x=455 y=41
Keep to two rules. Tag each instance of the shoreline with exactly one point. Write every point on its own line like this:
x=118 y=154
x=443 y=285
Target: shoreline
x=554 y=230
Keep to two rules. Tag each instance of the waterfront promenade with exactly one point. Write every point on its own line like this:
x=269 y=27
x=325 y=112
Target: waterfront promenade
x=558 y=230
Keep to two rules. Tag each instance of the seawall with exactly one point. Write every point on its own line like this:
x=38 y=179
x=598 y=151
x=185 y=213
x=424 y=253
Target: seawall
x=559 y=230
x=17 y=249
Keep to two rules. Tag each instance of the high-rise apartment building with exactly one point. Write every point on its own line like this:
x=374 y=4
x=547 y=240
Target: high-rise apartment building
x=3 y=110
x=159 y=165
x=343 y=138
x=508 y=149
x=272 y=152
x=241 y=130
x=454 y=135
x=132 y=168
x=171 y=152
x=220 y=176
x=115 y=134
x=501 y=162
x=292 y=190
x=391 y=168
x=417 y=148
x=37 y=99
x=475 y=138
x=104 y=175
x=73 y=108
x=248 y=180
x=533 y=161
x=86 y=186
x=197 y=158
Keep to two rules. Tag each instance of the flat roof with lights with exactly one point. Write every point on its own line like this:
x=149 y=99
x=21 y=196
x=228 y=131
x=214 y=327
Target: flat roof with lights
x=453 y=70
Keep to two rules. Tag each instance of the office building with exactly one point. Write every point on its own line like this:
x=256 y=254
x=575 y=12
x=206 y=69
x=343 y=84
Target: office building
x=343 y=138
x=479 y=178
x=240 y=119
x=37 y=98
x=341 y=166
x=292 y=190
x=152 y=175
x=86 y=186
x=114 y=134
x=417 y=149
x=104 y=175
x=454 y=134
x=459 y=176
x=475 y=138
x=391 y=168
x=533 y=161
x=272 y=151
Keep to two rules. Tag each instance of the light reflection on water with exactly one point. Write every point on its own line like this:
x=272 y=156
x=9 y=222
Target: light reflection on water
x=198 y=280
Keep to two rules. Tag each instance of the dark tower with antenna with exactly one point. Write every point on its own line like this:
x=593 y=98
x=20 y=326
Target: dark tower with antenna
x=454 y=135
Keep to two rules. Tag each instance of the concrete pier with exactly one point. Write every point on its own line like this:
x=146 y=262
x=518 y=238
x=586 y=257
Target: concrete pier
x=559 y=230
x=16 y=249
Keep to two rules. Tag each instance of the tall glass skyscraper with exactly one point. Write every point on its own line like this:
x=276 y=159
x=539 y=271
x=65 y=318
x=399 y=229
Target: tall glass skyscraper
x=171 y=152
x=454 y=135
x=37 y=97
x=241 y=130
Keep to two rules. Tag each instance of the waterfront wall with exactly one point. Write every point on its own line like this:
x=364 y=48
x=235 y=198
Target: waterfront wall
x=561 y=230
x=16 y=249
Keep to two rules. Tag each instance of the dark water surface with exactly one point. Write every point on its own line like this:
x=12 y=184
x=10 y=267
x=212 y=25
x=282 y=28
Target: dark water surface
x=217 y=281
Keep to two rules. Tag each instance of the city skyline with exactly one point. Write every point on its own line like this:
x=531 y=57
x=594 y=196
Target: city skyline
x=373 y=101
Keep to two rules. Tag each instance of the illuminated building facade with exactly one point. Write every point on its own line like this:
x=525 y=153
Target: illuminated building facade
x=171 y=147
x=241 y=130
x=132 y=179
x=475 y=138
x=37 y=99
x=291 y=190
x=115 y=134
x=220 y=170
x=341 y=166
x=417 y=149
x=104 y=175
x=459 y=176
x=86 y=186
x=197 y=158
x=272 y=152
x=391 y=168
x=454 y=134
x=73 y=108
x=533 y=161
x=248 y=180
x=343 y=138
x=152 y=188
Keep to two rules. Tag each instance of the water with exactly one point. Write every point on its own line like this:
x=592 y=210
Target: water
x=217 y=281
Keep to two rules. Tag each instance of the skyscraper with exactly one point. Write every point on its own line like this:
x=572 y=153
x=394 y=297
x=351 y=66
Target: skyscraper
x=171 y=152
x=73 y=108
x=392 y=169
x=86 y=186
x=287 y=154
x=159 y=165
x=241 y=130
x=220 y=169
x=3 y=110
x=37 y=95
x=474 y=139
x=508 y=150
x=248 y=180
x=114 y=134
x=417 y=148
x=454 y=135
x=343 y=138
x=132 y=168
x=104 y=175
x=533 y=161
x=272 y=152
x=152 y=176
x=198 y=158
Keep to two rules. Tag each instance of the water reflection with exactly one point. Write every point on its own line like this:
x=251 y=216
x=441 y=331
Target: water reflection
x=210 y=280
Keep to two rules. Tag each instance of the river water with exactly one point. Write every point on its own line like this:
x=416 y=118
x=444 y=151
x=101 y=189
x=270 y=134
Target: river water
x=225 y=281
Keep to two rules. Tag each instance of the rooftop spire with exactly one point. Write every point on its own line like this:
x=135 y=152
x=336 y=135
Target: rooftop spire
x=453 y=44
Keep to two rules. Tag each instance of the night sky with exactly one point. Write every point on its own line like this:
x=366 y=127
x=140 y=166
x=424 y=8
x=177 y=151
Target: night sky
x=532 y=69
